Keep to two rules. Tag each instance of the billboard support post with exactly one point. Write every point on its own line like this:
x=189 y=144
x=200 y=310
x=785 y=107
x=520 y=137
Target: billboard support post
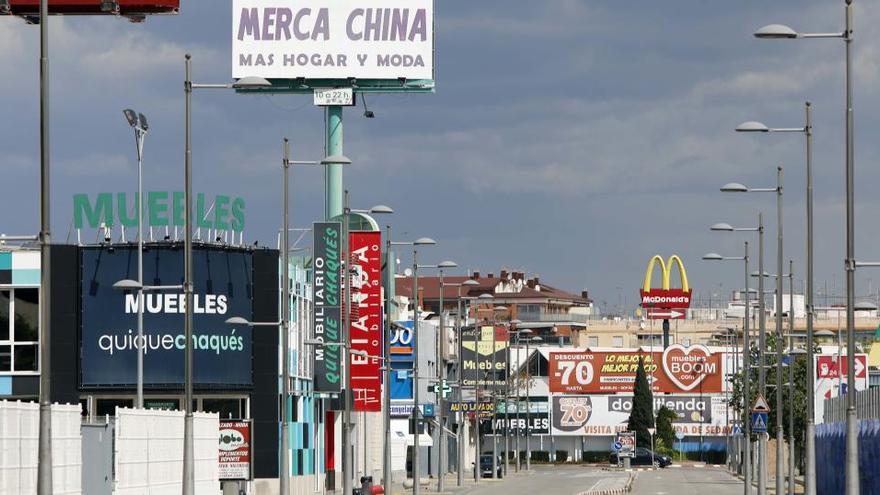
x=333 y=178
x=44 y=465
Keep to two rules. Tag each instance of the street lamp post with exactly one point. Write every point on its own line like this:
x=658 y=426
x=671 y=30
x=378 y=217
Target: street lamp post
x=778 y=31
x=809 y=434
x=188 y=87
x=747 y=351
x=441 y=373
x=460 y=371
x=424 y=241
x=138 y=122
x=735 y=187
x=791 y=389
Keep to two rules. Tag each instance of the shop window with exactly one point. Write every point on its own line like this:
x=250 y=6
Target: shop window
x=226 y=408
x=25 y=357
x=592 y=341
x=107 y=407
x=5 y=357
x=617 y=341
x=4 y=315
x=19 y=330
x=27 y=315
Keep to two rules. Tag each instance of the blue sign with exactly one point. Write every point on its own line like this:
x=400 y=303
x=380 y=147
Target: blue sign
x=737 y=430
x=401 y=347
x=616 y=446
x=759 y=422
x=109 y=345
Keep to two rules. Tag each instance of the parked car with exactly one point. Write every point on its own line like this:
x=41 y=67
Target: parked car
x=643 y=458
x=486 y=466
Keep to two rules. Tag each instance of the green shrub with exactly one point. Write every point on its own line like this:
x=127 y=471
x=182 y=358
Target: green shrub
x=540 y=456
x=561 y=456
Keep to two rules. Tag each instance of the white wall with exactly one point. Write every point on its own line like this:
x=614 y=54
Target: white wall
x=19 y=439
x=148 y=452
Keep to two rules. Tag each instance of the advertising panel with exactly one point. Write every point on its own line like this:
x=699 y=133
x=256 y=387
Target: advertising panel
x=223 y=287
x=327 y=322
x=606 y=415
x=677 y=369
x=484 y=356
x=235 y=450
x=365 y=330
x=830 y=372
x=316 y=39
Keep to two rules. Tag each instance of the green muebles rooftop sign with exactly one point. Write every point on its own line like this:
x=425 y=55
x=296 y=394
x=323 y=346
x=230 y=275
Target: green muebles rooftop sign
x=163 y=209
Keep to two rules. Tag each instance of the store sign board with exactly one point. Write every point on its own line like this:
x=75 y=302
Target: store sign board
x=365 y=330
x=223 y=287
x=327 y=321
x=830 y=374
x=161 y=209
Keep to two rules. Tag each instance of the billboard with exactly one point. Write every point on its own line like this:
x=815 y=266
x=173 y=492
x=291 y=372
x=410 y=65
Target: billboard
x=484 y=357
x=223 y=287
x=326 y=322
x=677 y=369
x=122 y=7
x=341 y=40
x=365 y=329
x=607 y=415
x=830 y=373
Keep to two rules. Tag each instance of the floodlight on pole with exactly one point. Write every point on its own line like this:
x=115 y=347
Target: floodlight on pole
x=734 y=187
x=251 y=82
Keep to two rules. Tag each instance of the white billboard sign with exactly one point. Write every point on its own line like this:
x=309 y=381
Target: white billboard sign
x=333 y=39
x=607 y=415
x=830 y=372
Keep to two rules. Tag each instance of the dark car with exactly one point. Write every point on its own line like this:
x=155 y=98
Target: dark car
x=643 y=458
x=486 y=466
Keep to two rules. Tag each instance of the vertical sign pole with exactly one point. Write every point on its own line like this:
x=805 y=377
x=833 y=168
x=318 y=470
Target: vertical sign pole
x=284 y=482
x=389 y=279
x=747 y=356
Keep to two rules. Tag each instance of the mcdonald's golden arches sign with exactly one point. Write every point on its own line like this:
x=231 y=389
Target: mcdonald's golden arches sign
x=666 y=302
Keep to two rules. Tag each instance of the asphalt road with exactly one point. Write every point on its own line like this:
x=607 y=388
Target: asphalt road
x=572 y=480
x=687 y=481
x=549 y=480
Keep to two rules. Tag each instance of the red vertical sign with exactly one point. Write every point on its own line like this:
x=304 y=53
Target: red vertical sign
x=365 y=330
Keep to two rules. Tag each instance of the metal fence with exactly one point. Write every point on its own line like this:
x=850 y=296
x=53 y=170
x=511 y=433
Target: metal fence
x=831 y=452
x=867 y=406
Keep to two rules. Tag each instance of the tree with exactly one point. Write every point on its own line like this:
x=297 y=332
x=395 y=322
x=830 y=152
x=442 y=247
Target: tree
x=641 y=416
x=798 y=392
x=665 y=432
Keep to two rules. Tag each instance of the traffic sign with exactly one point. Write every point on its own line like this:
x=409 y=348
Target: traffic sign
x=679 y=435
x=759 y=422
x=616 y=445
x=737 y=430
x=651 y=431
x=666 y=314
x=761 y=405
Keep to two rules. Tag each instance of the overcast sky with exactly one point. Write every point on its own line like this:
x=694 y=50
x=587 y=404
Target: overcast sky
x=570 y=139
